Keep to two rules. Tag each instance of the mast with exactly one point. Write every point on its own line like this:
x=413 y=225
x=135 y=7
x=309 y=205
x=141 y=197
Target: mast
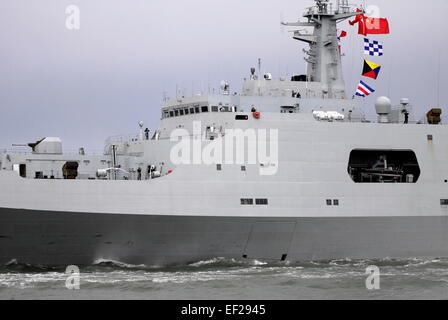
x=324 y=63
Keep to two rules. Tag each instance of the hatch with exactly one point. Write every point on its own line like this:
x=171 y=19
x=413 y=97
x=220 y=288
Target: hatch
x=269 y=240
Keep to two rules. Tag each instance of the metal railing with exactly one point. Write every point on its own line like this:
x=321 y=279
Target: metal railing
x=72 y=152
x=122 y=138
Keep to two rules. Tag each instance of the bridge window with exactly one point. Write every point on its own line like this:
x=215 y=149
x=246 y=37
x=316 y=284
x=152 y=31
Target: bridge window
x=204 y=109
x=383 y=166
x=171 y=113
x=214 y=109
x=196 y=109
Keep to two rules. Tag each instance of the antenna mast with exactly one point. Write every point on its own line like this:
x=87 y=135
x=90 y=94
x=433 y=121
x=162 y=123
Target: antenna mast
x=324 y=63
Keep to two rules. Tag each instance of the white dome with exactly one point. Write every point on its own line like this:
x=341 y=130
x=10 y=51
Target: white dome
x=404 y=101
x=383 y=105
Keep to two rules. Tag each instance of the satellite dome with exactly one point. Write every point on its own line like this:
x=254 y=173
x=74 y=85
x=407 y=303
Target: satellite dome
x=383 y=106
x=404 y=101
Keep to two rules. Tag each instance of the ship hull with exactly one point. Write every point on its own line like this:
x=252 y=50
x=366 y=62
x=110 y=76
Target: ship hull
x=64 y=238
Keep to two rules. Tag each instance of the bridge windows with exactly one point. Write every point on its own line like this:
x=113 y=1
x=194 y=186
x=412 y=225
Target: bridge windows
x=383 y=166
x=177 y=111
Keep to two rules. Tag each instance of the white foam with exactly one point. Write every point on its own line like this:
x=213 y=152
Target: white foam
x=118 y=263
x=13 y=262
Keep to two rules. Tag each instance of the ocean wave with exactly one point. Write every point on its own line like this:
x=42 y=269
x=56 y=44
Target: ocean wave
x=118 y=264
x=249 y=265
x=227 y=262
x=14 y=265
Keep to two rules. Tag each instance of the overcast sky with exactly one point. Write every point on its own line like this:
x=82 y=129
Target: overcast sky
x=101 y=80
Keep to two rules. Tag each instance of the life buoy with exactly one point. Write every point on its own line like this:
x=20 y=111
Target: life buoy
x=257 y=114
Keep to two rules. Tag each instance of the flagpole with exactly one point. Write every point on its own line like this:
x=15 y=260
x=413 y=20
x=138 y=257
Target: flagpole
x=438 y=82
x=390 y=76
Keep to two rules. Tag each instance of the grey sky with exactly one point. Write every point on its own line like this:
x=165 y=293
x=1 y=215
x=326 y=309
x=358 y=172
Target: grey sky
x=101 y=80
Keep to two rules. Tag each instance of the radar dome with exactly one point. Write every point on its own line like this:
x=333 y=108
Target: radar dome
x=383 y=105
x=404 y=101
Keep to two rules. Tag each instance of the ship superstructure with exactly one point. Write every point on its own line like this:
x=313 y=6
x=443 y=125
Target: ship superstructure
x=325 y=184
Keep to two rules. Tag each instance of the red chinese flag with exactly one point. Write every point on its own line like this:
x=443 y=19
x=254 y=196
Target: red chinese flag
x=367 y=25
x=375 y=26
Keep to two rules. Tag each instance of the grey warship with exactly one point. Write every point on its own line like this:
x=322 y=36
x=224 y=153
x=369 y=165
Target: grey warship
x=340 y=187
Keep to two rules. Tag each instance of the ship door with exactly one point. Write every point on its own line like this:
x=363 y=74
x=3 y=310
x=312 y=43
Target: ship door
x=269 y=240
x=22 y=170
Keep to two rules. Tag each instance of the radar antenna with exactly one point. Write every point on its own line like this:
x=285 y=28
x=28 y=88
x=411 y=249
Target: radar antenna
x=324 y=64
